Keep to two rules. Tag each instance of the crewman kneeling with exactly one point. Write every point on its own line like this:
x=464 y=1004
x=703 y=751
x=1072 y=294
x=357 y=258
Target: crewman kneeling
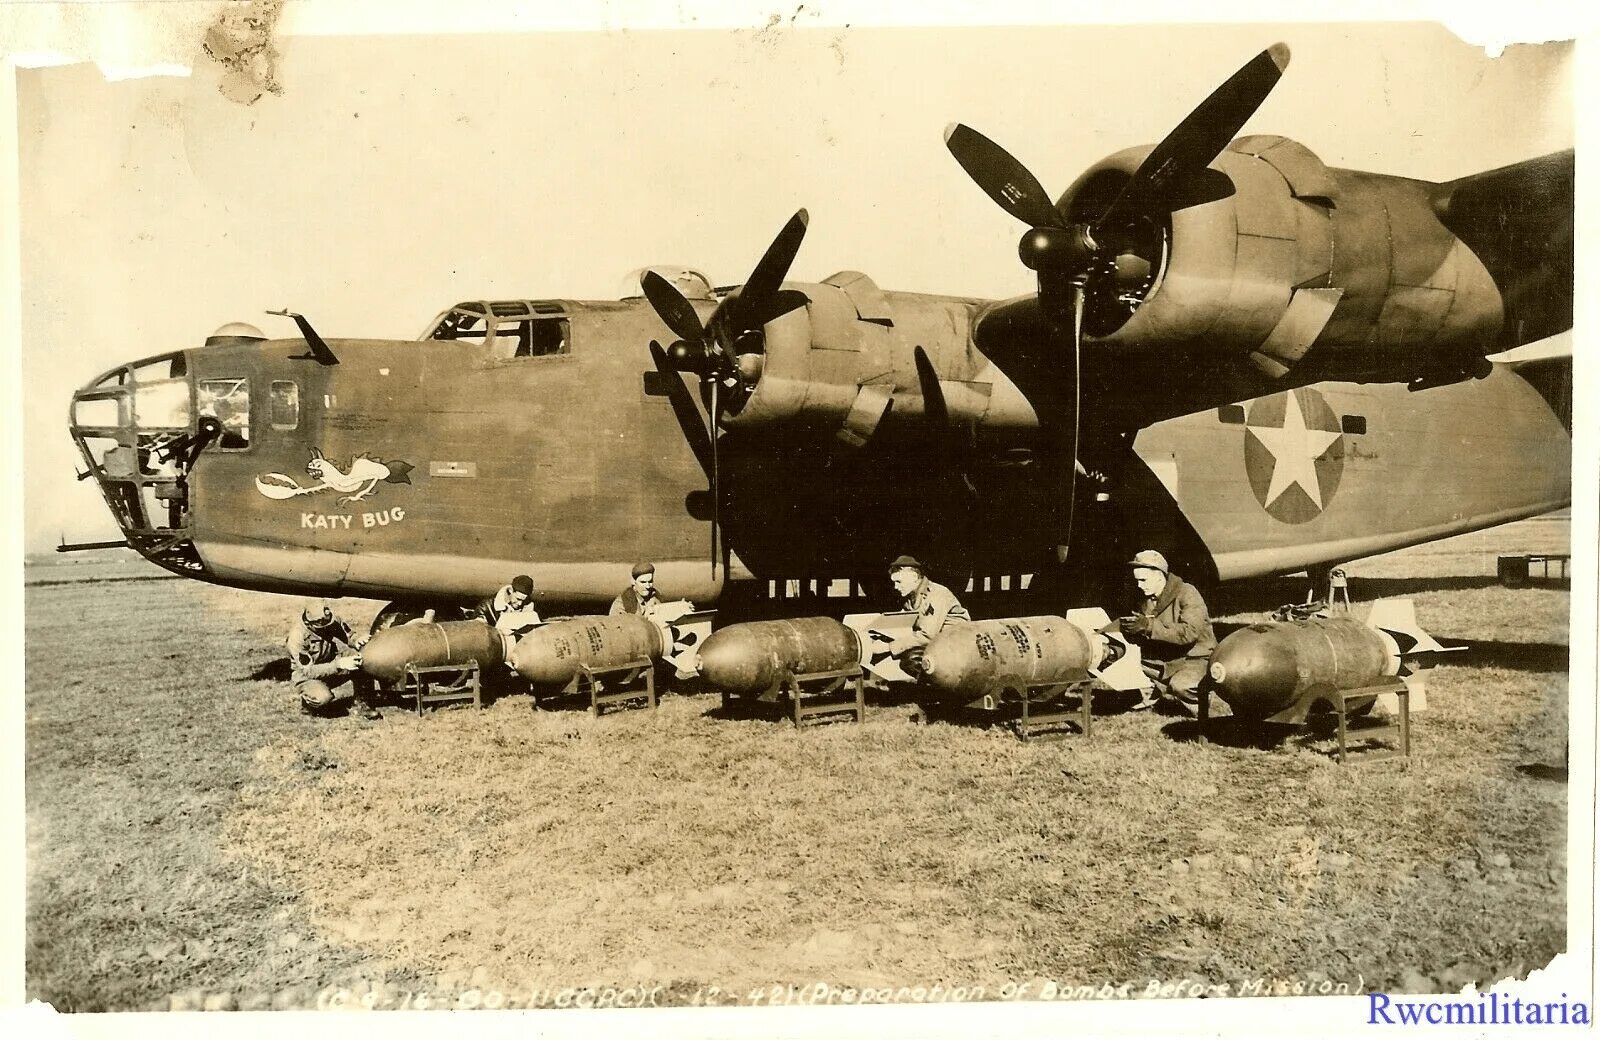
x=324 y=655
x=934 y=606
x=1172 y=628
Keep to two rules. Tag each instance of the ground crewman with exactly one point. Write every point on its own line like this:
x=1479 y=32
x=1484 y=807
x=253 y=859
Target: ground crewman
x=510 y=611
x=934 y=605
x=641 y=597
x=1172 y=628
x=324 y=655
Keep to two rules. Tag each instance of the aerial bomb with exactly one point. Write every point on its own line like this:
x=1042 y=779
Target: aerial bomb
x=549 y=656
x=427 y=644
x=1277 y=669
x=751 y=658
x=969 y=660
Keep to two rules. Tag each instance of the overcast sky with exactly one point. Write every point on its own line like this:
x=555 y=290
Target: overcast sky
x=395 y=175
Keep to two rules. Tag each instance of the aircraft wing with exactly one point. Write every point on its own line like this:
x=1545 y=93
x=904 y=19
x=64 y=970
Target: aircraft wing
x=1202 y=270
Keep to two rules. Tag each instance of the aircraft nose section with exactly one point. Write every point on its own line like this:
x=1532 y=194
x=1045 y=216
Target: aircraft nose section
x=137 y=432
x=1251 y=668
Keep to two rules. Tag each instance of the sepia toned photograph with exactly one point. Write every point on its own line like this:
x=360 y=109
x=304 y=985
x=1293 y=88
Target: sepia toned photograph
x=1031 y=519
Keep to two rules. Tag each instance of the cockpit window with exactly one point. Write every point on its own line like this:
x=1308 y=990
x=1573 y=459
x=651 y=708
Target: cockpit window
x=530 y=337
x=459 y=324
x=228 y=401
x=511 y=329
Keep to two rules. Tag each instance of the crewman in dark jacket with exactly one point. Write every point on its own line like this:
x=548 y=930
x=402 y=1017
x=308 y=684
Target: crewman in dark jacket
x=324 y=655
x=1172 y=628
x=640 y=597
x=510 y=611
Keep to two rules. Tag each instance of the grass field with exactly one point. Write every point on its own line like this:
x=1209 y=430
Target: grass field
x=194 y=842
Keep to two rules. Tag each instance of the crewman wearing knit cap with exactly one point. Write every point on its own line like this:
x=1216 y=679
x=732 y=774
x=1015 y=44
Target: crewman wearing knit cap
x=510 y=610
x=1172 y=628
x=641 y=597
x=934 y=605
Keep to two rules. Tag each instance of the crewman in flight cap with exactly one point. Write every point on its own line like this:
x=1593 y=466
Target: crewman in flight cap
x=934 y=605
x=510 y=610
x=1172 y=628
x=324 y=655
x=641 y=597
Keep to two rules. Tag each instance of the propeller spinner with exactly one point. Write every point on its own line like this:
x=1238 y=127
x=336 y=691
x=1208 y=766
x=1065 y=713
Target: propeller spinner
x=725 y=352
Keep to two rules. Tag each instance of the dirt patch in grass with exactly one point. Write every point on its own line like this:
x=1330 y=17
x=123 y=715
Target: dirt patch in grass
x=181 y=799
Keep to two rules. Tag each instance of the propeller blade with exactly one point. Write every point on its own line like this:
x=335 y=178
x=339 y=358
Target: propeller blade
x=1002 y=177
x=934 y=407
x=716 y=472
x=674 y=311
x=773 y=267
x=684 y=409
x=783 y=302
x=1077 y=302
x=951 y=444
x=1199 y=139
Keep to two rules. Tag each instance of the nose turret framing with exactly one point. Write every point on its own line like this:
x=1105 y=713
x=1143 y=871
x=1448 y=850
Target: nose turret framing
x=139 y=434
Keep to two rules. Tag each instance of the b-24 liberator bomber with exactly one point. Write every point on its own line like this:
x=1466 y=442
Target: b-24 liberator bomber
x=1236 y=353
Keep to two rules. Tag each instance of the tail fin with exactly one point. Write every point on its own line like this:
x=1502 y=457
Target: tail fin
x=1398 y=618
x=1518 y=220
x=1124 y=672
x=1552 y=377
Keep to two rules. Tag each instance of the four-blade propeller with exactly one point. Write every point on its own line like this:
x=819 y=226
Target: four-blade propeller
x=728 y=346
x=1071 y=258
x=1173 y=176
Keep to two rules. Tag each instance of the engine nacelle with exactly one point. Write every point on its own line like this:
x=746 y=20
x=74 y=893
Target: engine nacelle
x=846 y=360
x=1299 y=256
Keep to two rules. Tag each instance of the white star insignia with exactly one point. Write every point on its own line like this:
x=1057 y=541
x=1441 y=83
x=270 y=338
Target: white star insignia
x=1295 y=451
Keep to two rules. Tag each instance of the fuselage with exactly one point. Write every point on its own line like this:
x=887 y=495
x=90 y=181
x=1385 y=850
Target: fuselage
x=435 y=469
